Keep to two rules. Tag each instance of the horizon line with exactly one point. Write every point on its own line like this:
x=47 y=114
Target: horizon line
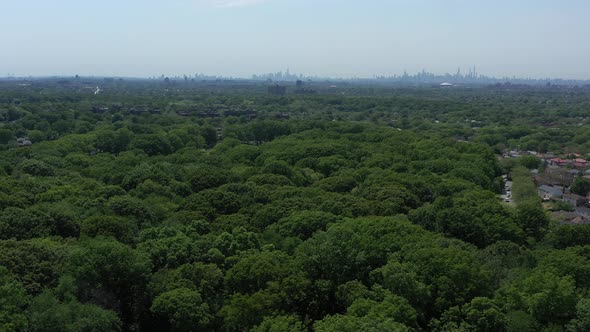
x=291 y=76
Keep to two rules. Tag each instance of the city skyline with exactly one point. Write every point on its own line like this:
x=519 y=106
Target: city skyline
x=236 y=38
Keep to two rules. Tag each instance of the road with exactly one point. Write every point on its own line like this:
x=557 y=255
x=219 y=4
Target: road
x=506 y=195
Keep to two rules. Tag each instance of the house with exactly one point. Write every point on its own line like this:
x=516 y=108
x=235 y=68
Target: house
x=580 y=163
x=138 y=110
x=559 y=176
x=249 y=114
x=548 y=192
x=99 y=109
x=23 y=141
x=183 y=113
x=576 y=221
x=575 y=200
x=209 y=114
x=583 y=212
x=564 y=216
x=557 y=162
x=514 y=153
x=574 y=173
x=283 y=116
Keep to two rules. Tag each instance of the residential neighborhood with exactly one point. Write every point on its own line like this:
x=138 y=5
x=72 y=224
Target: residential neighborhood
x=555 y=178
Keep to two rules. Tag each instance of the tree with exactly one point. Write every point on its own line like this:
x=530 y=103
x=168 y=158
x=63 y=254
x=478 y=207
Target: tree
x=184 y=309
x=6 y=135
x=582 y=321
x=13 y=300
x=122 y=229
x=391 y=307
x=111 y=274
x=280 y=324
x=130 y=206
x=207 y=177
x=531 y=217
x=254 y=270
x=35 y=262
x=48 y=314
x=211 y=202
x=344 y=323
x=530 y=162
x=152 y=144
x=304 y=224
x=545 y=296
x=37 y=168
x=23 y=224
x=581 y=186
x=481 y=314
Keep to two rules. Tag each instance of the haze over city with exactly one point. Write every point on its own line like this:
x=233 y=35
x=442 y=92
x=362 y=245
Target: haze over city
x=328 y=38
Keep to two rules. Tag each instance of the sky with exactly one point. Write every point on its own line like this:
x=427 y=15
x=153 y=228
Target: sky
x=327 y=38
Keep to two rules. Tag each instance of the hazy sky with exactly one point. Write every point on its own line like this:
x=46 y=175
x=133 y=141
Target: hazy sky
x=338 y=38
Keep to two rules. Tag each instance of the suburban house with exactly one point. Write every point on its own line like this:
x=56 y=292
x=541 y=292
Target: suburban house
x=575 y=200
x=23 y=141
x=583 y=212
x=569 y=218
x=551 y=192
x=557 y=162
x=580 y=163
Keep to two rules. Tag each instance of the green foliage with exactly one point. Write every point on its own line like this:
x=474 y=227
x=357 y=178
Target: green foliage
x=23 y=224
x=481 y=314
x=13 y=300
x=364 y=211
x=37 y=168
x=184 y=309
x=122 y=229
x=111 y=274
x=113 y=141
x=212 y=202
x=547 y=297
x=253 y=271
x=530 y=162
x=582 y=320
x=129 y=206
x=207 y=177
x=280 y=324
x=36 y=263
x=563 y=206
x=580 y=186
x=570 y=235
x=152 y=144
x=342 y=323
x=304 y=224
x=523 y=188
x=48 y=314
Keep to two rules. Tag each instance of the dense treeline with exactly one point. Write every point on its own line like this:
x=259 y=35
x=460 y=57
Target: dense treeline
x=160 y=222
x=542 y=119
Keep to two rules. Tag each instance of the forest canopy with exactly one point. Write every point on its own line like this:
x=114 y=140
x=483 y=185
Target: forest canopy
x=364 y=210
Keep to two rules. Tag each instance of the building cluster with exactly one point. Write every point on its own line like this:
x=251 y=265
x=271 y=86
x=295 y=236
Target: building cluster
x=22 y=142
x=142 y=109
x=277 y=90
x=554 y=180
x=281 y=90
x=218 y=114
x=134 y=110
